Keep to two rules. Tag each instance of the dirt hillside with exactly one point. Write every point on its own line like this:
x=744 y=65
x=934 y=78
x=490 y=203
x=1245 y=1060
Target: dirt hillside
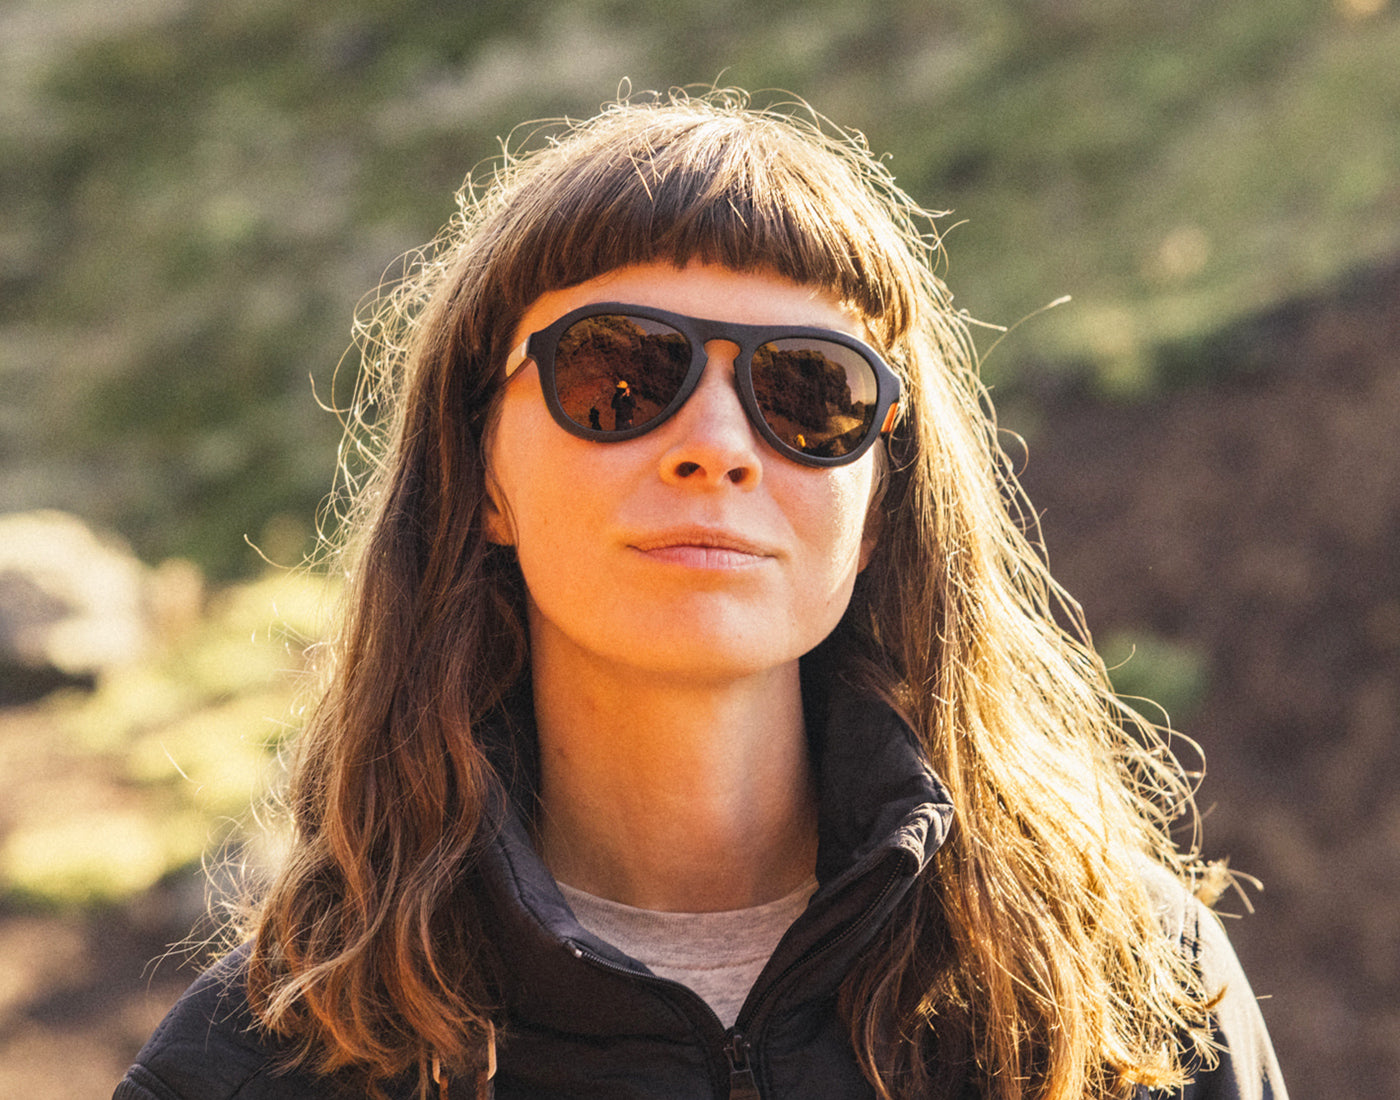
x=1257 y=519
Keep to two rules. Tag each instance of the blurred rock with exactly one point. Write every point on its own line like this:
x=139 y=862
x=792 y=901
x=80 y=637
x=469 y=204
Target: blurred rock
x=72 y=605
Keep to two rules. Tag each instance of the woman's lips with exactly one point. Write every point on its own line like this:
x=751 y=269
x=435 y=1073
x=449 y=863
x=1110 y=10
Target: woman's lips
x=700 y=548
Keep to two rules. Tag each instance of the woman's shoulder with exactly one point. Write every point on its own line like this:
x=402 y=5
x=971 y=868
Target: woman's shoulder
x=1178 y=910
x=209 y=1047
x=1185 y=918
x=1248 y=1068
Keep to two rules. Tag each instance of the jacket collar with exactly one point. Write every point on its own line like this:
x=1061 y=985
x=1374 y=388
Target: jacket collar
x=877 y=792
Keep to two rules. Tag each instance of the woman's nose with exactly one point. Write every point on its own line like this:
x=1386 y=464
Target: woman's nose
x=711 y=439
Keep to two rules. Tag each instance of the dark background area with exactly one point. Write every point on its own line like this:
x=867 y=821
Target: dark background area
x=1255 y=520
x=194 y=197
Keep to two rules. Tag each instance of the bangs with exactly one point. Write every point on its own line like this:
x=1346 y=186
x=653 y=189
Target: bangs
x=779 y=195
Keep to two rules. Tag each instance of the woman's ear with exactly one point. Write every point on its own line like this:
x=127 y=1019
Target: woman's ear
x=874 y=524
x=495 y=515
x=874 y=510
x=495 y=509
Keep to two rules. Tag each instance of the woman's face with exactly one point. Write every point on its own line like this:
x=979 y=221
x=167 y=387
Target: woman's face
x=695 y=550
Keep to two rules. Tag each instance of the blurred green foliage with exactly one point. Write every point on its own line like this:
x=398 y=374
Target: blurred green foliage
x=162 y=763
x=193 y=196
x=1163 y=679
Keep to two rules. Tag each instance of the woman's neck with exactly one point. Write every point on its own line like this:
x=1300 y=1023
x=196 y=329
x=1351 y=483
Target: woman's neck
x=667 y=795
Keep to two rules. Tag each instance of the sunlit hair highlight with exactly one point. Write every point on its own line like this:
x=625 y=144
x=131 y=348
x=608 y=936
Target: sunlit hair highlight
x=1029 y=961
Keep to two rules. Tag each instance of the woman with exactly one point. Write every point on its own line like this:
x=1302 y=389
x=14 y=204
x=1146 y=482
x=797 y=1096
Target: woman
x=718 y=740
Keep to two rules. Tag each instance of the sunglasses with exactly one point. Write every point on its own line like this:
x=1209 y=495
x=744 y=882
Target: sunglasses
x=612 y=372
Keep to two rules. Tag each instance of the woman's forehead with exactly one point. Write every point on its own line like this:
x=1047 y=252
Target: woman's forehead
x=712 y=291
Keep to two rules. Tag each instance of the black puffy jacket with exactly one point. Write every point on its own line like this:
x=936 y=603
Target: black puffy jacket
x=584 y=1020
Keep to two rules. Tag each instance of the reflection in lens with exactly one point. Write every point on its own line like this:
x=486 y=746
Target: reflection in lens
x=818 y=397
x=613 y=372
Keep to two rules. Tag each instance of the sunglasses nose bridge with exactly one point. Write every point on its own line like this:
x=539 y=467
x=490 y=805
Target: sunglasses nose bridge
x=721 y=365
x=719 y=371
x=720 y=349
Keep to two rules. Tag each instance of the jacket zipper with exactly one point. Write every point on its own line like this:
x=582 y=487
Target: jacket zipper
x=742 y=1085
x=738 y=1050
x=825 y=945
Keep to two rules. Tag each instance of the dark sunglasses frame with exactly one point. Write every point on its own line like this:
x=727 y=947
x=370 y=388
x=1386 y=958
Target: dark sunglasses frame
x=541 y=346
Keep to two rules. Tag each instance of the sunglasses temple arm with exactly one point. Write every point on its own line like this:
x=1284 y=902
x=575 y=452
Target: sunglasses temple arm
x=524 y=358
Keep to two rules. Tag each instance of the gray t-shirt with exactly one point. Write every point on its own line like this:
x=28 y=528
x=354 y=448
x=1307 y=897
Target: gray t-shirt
x=718 y=955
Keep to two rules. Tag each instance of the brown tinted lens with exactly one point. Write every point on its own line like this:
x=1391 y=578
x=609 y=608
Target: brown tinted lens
x=613 y=372
x=818 y=396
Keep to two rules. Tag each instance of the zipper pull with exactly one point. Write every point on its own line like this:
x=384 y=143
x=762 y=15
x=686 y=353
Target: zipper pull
x=742 y=1085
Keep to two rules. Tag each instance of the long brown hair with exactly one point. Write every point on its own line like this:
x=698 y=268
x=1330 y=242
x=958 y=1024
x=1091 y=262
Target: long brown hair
x=1029 y=960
